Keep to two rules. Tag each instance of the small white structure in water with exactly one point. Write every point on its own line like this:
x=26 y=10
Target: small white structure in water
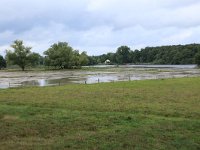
x=107 y=61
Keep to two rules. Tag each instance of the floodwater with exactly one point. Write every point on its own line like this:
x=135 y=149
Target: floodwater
x=97 y=74
x=148 y=66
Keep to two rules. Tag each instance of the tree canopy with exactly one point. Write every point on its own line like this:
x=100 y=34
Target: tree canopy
x=123 y=55
x=2 y=62
x=62 y=56
x=21 y=56
x=174 y=54
x=197 y=58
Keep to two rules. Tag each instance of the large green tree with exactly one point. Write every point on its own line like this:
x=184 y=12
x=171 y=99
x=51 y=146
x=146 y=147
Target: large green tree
x=2 y=62
x=21 y=56
x=59 y=55
x=62 y=56
x=123 y=55
x=79 y=59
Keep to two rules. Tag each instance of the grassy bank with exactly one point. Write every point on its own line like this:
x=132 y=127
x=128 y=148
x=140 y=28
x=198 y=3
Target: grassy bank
x=151 y=114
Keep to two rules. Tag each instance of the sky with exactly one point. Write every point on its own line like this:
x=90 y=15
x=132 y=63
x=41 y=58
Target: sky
x=99 y=26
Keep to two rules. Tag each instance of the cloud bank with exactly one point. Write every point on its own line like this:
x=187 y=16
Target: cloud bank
x=99 y=26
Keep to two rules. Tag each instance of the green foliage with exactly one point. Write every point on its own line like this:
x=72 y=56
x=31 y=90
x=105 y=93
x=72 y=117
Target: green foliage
x=92 y=60
x=135 y=56
x=34 y=59
x=175 y=54
x=60 y=55
x=22 y=56
x=2 y=62
x=83 y=59
x=197 y=58
x=143 y=115
x=123 y=55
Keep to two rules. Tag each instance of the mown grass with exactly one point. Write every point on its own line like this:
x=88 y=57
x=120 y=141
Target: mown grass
x=151 y=114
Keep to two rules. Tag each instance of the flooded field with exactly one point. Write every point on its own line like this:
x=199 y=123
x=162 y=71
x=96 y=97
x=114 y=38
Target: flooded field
x=96 y=74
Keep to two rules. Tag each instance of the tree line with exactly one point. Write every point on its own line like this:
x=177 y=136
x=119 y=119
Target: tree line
x=62 y=56
x=172 y=55
x=59 y=56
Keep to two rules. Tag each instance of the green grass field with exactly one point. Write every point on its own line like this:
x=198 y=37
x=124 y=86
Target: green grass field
x=151 y=114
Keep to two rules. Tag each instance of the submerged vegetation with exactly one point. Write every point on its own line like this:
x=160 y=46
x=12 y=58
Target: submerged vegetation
x=150 y=114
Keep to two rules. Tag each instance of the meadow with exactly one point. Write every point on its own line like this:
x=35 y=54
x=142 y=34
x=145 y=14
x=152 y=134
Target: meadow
x=140 y=115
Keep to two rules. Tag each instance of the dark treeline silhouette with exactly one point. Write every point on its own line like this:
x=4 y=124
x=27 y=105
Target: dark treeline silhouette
x=174 y=54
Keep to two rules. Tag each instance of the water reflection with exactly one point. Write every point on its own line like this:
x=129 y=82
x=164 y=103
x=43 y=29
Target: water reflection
x=125 y=73
x=46 y=82
x=90 y=79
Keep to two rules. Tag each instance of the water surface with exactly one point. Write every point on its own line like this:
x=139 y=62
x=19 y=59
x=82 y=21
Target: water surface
x=106 y=73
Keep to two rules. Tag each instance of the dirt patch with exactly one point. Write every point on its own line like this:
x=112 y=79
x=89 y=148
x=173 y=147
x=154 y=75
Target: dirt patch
x=10 y=117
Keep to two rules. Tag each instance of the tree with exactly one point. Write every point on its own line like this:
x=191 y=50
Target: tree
x=59 y=55
x=92 y=60
x=135 y=56
x=123 y=55
x=75 y=58
x=197 y=58
x=34 y=59
x=173 y=54
x=79 y=60
x=83 y=59
x=62 y=56
x=111 y=57
x=2 y=62
x=22 y=56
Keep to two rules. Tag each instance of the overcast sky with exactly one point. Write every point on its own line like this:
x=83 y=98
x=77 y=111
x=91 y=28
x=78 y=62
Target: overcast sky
x=99 y=26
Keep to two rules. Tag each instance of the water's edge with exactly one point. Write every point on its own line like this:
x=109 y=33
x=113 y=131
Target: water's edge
x=110 y=74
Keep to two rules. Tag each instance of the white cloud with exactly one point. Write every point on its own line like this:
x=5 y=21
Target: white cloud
x=99 y=26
